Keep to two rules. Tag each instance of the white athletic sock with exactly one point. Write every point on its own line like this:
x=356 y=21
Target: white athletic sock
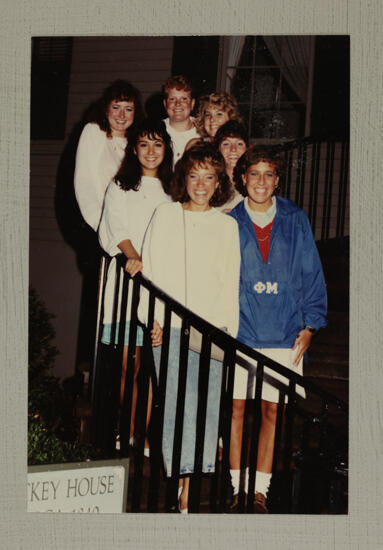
x=262 y=482
x=235 y=480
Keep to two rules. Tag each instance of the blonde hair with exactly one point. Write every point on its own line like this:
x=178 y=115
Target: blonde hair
x=218 y=100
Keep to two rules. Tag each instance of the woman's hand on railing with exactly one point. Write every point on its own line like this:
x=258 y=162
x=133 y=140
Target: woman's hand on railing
x=156 y=334
x=133 y=266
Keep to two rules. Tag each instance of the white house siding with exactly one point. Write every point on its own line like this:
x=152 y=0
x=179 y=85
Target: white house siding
x=96 y=62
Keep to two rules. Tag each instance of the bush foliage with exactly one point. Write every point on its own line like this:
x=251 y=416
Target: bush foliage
x=52 y=427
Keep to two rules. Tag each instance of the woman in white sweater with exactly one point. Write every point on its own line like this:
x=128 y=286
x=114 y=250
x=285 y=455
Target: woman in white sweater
x=139 y=187
x=191 y=251
x=102 y=146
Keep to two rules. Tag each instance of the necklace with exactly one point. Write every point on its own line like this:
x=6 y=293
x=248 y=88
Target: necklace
x=263 y=233
x=267 y=236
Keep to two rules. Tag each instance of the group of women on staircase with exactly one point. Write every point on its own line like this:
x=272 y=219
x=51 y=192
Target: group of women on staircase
x=194 y=208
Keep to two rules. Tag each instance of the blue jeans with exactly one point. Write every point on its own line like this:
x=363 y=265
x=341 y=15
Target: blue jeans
x=190 y=412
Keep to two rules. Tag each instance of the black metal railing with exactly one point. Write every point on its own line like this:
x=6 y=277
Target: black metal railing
x=317 y=180
x=310 y=458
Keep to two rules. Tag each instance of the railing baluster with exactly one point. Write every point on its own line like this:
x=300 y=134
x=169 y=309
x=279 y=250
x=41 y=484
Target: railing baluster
x=113 y=376
x=288 y=442
x=120 y=354
x=219 y=482
x=157 y=421
x=311 y=189
x=302 y=175
x=278 y=431
x=142 y=408
x=104 y=265
x=99 y=364
x=342 y=195
x=203 y=387
x=327 y=191
x=226 y=411
x=296 y=155
x=257 y=419
x=180 y=408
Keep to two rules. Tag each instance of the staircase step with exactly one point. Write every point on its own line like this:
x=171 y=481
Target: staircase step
x=328 y=356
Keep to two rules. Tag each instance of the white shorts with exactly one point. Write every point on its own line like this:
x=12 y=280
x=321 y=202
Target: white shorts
x=244 y=380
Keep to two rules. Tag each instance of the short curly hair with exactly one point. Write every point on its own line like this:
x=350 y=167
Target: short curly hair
x=253 y=155
x=218 y=100
x=178 y=82
x=119 y=90
x=201 y=155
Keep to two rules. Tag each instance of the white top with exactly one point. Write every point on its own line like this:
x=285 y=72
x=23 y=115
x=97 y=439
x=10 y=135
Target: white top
x=212 y=264
x=98 y=159
x=232 y=203
x=126 y=215
x=180 y=139
x=262 y=218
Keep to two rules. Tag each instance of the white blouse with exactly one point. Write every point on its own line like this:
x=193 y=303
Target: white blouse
x=126 y=215
x=98 y=159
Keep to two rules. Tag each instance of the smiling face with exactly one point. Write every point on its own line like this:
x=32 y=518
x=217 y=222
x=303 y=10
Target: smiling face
x=260 y=180
x=178 y=104
x=120 y=115
x=231 y=148
x=213 y=119
x=201 y=182
x=150 y=153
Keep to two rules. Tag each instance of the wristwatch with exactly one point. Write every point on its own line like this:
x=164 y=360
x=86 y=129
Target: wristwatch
x=310 y=329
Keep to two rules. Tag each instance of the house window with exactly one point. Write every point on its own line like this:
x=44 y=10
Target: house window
x=271 y=78
x=51 y=61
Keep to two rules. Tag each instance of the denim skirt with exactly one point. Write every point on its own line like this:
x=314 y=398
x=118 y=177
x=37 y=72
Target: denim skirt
x=107 y=334
x=190 y=412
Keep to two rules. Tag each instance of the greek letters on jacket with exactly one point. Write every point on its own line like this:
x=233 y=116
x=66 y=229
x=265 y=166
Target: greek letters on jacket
x=279 y=297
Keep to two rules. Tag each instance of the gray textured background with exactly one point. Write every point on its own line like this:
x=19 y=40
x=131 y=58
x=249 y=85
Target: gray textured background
x=19 y=20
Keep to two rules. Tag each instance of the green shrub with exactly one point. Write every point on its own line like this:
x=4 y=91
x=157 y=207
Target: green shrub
x=53 y=429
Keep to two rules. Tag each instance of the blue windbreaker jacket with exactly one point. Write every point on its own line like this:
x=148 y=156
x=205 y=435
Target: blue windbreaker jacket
x=278 y=298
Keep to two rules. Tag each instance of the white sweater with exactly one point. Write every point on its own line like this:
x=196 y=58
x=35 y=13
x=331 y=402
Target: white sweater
x=179 y=139
x=212 y=264
x=232 y=203
x=98 y=159
x=126 y=215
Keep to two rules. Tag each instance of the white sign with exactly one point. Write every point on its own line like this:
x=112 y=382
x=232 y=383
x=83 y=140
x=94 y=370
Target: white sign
x=87 y=487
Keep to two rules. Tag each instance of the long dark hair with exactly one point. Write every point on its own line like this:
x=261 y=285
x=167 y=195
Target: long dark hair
x=200 y=155
x=129 y=175
x=119 y=90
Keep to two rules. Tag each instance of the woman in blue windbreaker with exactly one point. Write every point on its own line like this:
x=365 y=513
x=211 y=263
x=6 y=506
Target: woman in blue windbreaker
x=282 y=300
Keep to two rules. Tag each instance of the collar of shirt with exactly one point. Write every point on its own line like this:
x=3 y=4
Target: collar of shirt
x=261 y=218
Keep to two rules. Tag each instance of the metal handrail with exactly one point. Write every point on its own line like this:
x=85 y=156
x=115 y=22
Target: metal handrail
x=106 y=410
x=317 y=179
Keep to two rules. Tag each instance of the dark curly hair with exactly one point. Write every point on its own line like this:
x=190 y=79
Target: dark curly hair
x=119 y=90
x=129 y=175
x=253 y=155
x=231 y=128
x=201 y=155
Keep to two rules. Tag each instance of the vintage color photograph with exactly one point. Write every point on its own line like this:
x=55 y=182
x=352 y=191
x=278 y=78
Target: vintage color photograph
x=189 y=274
